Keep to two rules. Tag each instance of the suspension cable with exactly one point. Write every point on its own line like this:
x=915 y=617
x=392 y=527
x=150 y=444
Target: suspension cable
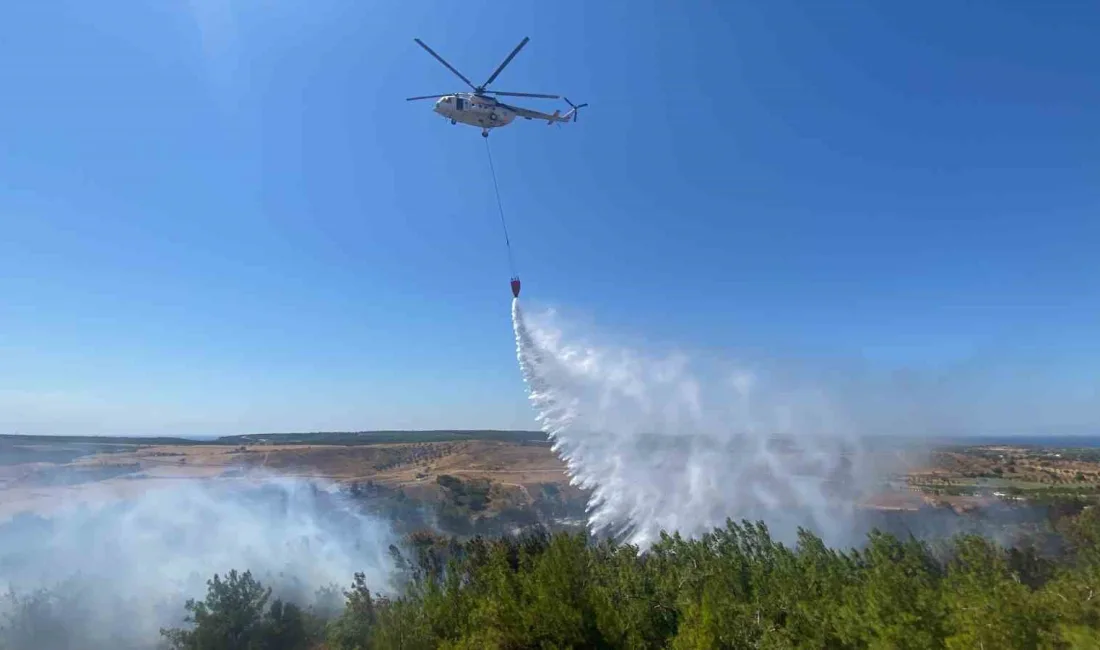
x=500 y=206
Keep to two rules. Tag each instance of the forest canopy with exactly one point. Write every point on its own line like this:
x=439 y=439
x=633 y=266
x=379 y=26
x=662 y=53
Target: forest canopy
x=733 y=588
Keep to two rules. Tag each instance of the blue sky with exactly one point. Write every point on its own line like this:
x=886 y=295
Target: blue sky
x=221 y=216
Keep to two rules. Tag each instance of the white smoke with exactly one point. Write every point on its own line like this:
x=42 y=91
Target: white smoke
x=128 y=566
x=663 y=451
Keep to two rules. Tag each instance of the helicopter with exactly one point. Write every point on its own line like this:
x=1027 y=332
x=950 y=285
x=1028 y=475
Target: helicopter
x=479 y=108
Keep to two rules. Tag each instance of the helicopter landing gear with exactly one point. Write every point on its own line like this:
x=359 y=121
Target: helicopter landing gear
x=453 y=122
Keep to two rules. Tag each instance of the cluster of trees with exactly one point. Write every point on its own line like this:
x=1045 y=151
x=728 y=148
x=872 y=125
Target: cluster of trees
x=733 y=588
x=471 y=494
x=468 y=507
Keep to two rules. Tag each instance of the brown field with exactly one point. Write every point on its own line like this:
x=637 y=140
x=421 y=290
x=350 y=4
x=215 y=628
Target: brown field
x=1006 y=465
x=514 y=470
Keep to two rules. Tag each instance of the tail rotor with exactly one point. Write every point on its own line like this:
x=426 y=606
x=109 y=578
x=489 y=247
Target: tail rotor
x=576 y=107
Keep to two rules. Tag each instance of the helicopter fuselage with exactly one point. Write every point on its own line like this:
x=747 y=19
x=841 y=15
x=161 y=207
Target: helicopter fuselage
x=468 y=108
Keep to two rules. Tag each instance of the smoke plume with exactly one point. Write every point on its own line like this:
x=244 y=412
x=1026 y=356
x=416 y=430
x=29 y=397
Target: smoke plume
x=117 y=572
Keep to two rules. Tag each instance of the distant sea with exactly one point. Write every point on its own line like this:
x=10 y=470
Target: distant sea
x=1060 y=441
x=1084 y=440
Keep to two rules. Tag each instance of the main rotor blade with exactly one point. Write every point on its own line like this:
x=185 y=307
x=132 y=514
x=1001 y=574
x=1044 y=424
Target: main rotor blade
x=501 y=92
x=506 y=61
x=409 y=99
x=449 y=66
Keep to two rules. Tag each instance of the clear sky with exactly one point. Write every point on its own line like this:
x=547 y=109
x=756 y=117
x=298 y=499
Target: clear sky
x=221 y=216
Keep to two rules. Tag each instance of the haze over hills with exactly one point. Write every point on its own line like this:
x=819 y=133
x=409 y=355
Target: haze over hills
x=304 y=510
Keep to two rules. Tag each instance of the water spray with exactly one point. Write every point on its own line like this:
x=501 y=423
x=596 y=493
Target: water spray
x=661 y=450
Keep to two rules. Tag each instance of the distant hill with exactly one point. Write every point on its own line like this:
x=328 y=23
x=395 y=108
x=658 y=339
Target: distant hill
x=19 y=449
x=21 y=439
x=378 y=437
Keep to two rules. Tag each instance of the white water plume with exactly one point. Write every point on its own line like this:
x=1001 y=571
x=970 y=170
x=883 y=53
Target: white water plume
x=119 y=571
x=662 y=450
